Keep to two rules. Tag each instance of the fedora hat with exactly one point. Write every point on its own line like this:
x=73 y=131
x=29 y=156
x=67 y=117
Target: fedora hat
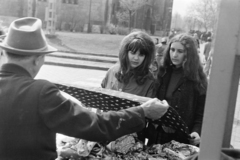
x=25 y=37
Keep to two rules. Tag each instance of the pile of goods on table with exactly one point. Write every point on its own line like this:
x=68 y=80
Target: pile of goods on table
x=124 y=148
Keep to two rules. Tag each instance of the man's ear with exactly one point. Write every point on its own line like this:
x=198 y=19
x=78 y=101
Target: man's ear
x=38 y=59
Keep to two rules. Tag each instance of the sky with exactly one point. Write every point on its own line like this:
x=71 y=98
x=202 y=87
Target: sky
x=180 y=6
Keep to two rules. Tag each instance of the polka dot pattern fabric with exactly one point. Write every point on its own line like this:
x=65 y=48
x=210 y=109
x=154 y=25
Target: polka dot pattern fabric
x=101 y=102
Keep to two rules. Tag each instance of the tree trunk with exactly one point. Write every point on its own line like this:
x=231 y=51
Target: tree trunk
x=129 y=23
x=106 y=13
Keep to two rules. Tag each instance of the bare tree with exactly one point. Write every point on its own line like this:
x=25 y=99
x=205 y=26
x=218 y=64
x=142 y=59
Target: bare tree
x=157 y=15
x=75 y=20
x=192 y=21
x=177 y=21
x=131 y=6
x=123 y=17
x=205 y=13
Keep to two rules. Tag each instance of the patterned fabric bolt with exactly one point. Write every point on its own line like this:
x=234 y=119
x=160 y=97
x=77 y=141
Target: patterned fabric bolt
x=105 y=101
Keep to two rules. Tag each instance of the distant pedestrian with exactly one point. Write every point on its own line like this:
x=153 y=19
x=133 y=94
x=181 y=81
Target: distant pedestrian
x=157 y=41
x=208 y=64
x=195 y=35
x=160 y=49
x=207 y=48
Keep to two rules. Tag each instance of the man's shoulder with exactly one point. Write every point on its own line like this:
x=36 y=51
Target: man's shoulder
x=41 y=83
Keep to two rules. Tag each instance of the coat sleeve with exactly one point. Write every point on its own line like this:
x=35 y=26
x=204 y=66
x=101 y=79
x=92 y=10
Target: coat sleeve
x=62 y=115
x=105 y=80
x=150 y=92
x=198 y=120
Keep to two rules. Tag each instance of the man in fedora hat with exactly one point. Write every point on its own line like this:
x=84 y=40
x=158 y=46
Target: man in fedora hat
x=33 y=111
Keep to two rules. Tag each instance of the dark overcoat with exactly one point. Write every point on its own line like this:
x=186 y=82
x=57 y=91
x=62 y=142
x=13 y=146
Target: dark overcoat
x=187 y=101
x=33 y=111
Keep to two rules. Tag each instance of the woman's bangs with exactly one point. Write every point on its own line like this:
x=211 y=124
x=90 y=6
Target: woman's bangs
x=136 y=45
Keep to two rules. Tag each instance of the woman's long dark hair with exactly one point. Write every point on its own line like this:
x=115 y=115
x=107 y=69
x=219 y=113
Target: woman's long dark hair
x=135 y=41
x=192 y=66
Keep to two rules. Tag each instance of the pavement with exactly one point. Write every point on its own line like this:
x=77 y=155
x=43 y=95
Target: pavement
x=71 y=76
x=81 y=60
x=69 y=55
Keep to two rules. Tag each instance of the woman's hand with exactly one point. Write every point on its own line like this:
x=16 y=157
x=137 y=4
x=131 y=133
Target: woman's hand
x=195 y=138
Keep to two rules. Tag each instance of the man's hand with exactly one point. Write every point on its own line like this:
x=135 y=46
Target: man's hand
x=154 y=108
x=195 y=138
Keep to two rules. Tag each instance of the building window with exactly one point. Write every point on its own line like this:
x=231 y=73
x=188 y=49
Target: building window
x=50 y=14
x=70 y=1
x=75 y=2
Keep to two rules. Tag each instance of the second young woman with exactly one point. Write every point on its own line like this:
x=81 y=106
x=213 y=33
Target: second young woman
x=182 y=82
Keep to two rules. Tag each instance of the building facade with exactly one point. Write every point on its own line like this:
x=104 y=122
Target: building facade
x=75 y=15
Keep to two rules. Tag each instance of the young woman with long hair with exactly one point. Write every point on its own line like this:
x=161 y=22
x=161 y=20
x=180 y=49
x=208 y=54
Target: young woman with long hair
x=132 y=74
x=183 y=84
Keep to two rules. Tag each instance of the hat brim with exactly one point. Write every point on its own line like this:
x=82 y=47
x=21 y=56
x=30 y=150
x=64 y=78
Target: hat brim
x=46 y=50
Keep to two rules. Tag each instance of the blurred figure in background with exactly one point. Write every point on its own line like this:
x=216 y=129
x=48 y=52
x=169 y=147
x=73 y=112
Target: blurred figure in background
x=208 y=64
x=160 y=49
x=195 y=35
x=157 y=41
x=207 y=48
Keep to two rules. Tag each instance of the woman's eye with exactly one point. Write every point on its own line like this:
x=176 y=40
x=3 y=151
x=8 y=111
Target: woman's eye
x=172 y=49
x=130 y=52
x=180 y=51
x=133 y=53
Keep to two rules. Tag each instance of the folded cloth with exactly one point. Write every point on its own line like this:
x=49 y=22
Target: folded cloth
x=111 y=100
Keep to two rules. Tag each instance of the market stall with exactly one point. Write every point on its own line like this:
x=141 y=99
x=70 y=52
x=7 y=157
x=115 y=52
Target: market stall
x=221 y=95
x=129 y=146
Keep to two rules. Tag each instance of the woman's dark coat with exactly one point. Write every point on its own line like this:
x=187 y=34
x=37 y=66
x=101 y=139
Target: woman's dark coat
x=189 y=103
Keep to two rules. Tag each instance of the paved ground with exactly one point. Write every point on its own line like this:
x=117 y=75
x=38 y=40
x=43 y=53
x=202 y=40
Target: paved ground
x=68 y=75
